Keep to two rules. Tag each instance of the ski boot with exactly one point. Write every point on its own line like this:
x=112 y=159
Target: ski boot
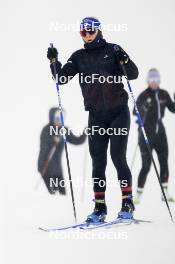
x=98 y=215
x=127 y=208
x=168 y=196
x=139 y=193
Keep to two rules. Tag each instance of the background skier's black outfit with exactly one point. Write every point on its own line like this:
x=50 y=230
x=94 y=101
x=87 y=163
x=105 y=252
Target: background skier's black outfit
x=54 y=169
x=152 y=104
x=106 y=103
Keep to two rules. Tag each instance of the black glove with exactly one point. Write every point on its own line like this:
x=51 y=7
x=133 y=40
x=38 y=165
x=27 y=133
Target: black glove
x=121 y=54
x=52 y=53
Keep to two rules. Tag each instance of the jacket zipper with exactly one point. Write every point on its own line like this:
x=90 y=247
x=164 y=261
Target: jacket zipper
x=158 y=111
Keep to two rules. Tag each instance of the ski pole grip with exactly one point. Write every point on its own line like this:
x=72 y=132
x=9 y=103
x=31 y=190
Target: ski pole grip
x=117 y=49
x=51 y=46
x=54 y=66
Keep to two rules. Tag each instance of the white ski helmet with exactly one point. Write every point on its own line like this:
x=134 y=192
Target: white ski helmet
x=153 y=76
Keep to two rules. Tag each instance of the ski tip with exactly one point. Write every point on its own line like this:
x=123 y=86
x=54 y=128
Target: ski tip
x=42 y=229
x=139 y=221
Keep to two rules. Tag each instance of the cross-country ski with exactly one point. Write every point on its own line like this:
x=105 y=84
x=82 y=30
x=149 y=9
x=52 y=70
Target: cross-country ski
x=90 y=226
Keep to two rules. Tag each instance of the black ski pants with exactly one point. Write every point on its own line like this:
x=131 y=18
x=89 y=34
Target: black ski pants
x=158 y=142
x=98 y=145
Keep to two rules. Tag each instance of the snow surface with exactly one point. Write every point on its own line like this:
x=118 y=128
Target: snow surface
x=29 y=93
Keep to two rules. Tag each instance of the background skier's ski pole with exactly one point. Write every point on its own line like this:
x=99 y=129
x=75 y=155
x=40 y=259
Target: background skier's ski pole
x=64 y=137
x=145 y=137
x=51 y=153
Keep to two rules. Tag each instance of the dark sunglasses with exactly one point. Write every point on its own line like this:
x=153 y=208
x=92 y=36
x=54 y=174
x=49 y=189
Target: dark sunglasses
x=87 y=30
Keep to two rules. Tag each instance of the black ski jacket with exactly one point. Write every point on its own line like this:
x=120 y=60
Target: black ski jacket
x=46 y=144
x=152 y=104
x=98 y=57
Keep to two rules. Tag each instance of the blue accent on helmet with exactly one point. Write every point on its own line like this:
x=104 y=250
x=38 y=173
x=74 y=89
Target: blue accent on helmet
x=90 y=22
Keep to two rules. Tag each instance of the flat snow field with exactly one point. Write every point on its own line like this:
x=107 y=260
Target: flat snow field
x=143 y=243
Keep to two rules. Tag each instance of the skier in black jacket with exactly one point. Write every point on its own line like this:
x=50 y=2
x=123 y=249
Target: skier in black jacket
x=152 y=104
x=51 y=149
x=107 y=102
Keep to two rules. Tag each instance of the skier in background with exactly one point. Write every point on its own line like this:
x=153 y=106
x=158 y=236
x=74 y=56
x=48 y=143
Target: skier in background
x=152 y=103
x=107 y=104
x=51 y=150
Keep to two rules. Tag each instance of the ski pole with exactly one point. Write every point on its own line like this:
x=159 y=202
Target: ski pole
x=51 y=153
x=64 y=137
x=134 y=157
x=84 y=174
x=145 y=138
x=135 y=151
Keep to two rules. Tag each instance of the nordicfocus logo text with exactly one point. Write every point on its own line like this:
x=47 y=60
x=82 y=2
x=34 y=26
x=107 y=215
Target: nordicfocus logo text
x=89 y=131
x=93 y=78
x=59 y=26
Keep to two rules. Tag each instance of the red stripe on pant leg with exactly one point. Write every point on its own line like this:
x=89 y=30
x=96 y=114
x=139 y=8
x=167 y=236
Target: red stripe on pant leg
x=127 y=189
x=99 y=193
